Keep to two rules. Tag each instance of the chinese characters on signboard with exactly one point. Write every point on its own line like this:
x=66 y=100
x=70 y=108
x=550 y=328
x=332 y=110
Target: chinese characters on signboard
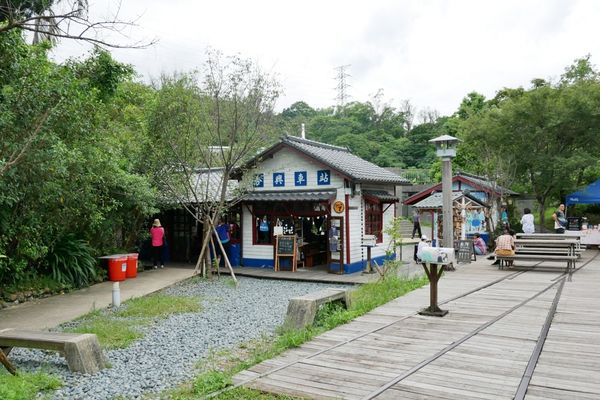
x=323 y=177
x=259 y=180
x=279 y=179
x=301 y=178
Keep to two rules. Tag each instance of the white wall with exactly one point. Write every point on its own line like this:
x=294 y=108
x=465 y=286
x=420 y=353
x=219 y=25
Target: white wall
x=250 y=250
x=290 y=161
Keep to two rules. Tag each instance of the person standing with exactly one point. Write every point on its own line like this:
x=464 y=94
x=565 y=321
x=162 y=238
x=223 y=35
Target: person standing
x=157 y=235
x=504 y=217
x=224 y=238
x=560 y=221
x=416 y=224
x=527 y=221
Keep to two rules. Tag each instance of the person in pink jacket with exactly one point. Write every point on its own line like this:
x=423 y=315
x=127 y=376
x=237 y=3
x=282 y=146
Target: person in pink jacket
x=157 y=234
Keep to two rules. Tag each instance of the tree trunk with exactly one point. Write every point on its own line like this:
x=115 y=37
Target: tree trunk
x=542 y=217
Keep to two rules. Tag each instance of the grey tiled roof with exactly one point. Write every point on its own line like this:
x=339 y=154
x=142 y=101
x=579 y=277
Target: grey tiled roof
x=295 y=195
x=342 y=160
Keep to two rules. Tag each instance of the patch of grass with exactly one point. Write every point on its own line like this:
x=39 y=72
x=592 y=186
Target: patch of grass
x=112 y=333
x=26 y=386
x=219 y=368
x=118 y=329
x=250 y=394
x=158 y=306
x=211 y=381
x=230 y=282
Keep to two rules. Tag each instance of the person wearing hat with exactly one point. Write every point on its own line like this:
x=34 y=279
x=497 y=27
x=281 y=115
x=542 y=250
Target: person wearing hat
x=157 y=235
x=423 y=243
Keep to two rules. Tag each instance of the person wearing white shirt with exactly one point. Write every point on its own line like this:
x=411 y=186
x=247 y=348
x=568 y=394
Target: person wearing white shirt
x=527 y=221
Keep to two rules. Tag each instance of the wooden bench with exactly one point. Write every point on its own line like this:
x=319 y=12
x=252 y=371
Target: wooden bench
x=302 y=310
x=81 y=350
x=570 y=259
x=546 y=250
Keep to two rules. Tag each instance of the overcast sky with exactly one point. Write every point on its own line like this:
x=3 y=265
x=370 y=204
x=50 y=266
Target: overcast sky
x=430 y=52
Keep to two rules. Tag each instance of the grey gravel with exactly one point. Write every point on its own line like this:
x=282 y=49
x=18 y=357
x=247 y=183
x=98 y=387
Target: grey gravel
x=168 y=353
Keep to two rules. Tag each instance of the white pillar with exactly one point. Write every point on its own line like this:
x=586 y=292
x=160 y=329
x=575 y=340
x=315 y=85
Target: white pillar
x=116 y=295
x=447 y=202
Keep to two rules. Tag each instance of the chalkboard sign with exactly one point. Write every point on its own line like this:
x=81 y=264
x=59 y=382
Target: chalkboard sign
x=285 y=247
x=465 y=251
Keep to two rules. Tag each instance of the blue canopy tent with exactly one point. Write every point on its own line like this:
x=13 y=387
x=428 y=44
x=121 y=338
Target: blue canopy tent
x=588 y=195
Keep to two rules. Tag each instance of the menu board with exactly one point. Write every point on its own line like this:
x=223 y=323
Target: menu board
x=465 y=251
x=286 y=245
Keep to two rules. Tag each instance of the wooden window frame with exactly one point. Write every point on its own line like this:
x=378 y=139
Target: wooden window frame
x=374 y=219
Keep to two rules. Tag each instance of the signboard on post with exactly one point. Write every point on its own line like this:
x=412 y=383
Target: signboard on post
x=465 y=251
x=285 y=247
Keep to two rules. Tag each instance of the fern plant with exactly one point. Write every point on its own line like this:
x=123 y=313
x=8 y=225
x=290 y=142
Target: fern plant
x=70 y=261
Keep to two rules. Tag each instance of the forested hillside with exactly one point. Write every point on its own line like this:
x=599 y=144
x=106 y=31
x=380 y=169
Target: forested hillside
x=80 y=155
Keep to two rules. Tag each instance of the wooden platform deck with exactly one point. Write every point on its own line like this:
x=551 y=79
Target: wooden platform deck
x=319 y=274
x=487 y=347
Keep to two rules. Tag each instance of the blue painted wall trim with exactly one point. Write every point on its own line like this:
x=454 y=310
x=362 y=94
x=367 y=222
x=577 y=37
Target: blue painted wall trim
x=362 y=265
x=258 y=262
x=348 y=268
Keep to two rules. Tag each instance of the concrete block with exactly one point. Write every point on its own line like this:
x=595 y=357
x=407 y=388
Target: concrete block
x=84 y=354
x=302 y=310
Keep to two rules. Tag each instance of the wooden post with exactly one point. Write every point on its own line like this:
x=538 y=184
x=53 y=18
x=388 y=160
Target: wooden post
x=4 y=361
x=431 y=270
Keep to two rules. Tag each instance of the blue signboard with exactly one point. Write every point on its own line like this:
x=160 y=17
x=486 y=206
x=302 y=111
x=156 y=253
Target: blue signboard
x=279 y=179
x=259 y=180
x=324 y=177
x=300 y=178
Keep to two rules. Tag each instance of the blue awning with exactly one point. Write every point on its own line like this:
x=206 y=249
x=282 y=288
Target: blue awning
x=588 y=195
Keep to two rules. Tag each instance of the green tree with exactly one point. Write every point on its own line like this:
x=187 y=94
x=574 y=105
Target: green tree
x=548 y=134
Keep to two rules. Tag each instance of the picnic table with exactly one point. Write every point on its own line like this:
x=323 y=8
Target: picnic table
x=545 y=249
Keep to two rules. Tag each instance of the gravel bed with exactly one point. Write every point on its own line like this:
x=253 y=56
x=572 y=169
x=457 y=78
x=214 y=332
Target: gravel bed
x=167 y=355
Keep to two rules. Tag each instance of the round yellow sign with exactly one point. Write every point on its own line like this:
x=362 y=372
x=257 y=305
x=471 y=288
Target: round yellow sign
x=338 y=207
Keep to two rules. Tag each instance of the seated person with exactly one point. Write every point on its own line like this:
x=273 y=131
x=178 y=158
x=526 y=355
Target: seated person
x=505 y=245
x=479 y=245
x=423 y=243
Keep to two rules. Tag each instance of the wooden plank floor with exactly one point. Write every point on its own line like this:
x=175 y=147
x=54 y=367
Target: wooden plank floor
x=480 y=350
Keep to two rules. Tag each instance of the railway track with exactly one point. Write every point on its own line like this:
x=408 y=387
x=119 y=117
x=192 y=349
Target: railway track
x=557 y=281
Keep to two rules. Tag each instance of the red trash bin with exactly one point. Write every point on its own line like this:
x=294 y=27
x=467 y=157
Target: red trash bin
x=132 y=265
x=117 y=268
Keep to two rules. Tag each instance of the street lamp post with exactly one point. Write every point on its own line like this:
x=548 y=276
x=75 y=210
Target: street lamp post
x=445 y=149
x=445 y=146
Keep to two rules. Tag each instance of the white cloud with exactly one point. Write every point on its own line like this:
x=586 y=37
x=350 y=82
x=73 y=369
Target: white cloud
x=432 y=52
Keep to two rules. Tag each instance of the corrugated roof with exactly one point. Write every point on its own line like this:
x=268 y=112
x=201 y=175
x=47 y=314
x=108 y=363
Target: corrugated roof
x=436 y=200
x=342 y=160
x=296 y=195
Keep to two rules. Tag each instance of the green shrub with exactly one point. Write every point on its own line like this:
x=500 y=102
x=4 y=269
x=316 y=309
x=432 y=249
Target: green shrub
x=70 y=261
